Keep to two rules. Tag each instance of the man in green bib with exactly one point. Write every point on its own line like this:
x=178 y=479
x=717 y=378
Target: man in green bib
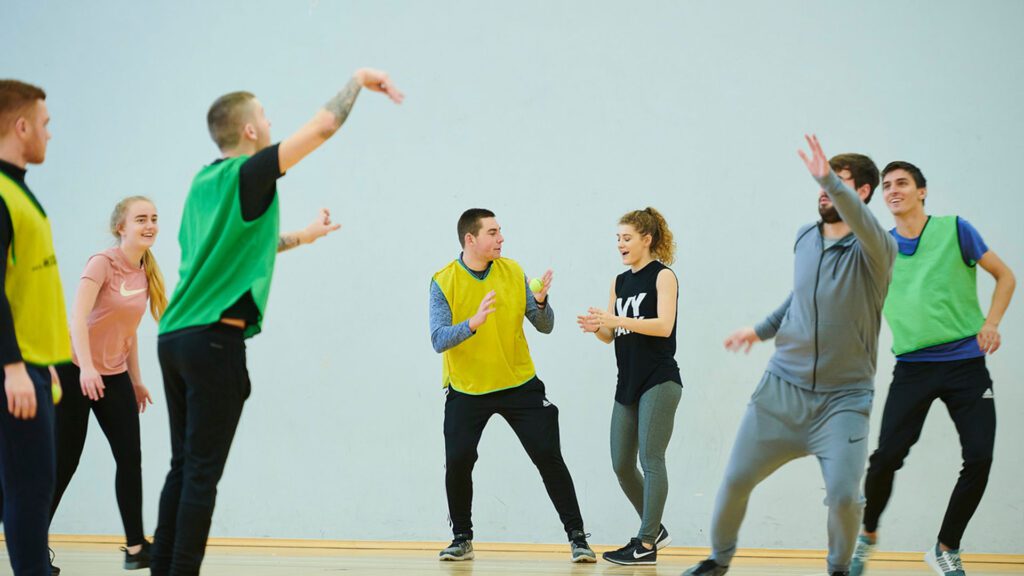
x=477 y=306
x=229 y=239
x=940 y=339
x=33 y=333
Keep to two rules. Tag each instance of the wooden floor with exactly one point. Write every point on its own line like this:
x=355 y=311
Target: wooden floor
x=83 y=559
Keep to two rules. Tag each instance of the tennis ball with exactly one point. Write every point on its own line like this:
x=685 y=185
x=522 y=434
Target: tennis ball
x=58 y=393
x=536 y=285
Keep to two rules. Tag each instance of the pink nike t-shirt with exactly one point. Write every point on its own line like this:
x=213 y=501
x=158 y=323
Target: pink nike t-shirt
x=120 y=304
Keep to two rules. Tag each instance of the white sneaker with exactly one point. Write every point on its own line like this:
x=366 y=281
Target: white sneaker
x=945 y=563
x=861 y=554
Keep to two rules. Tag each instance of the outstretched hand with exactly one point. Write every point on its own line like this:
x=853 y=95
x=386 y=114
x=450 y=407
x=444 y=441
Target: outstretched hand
x=320 y=226
x=741 y=340
x=817 y=164
x=379 y=81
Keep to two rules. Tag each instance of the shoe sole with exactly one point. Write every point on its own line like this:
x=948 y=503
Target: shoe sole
x=663 y=542
x=453 y=558
x=583 y=559
x=633 y=563
x=136 y=565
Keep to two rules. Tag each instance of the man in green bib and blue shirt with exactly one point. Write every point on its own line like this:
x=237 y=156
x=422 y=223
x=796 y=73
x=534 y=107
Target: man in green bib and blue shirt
x=229 y=239
x=940 y=339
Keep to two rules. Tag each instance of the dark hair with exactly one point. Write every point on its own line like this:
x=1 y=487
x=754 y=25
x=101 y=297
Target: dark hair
x=469 y=222
x=226 y=117
x=862 y=169
x=650 y=221
x=15 y=97
x=914 y=172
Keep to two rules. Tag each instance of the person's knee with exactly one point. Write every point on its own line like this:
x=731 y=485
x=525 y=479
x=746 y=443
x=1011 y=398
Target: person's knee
x=460 y=458
x=624 y=466
x=978 y=463
x=886 y=460
x=845 y=496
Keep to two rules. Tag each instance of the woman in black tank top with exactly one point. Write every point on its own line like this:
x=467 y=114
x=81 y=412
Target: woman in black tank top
x=641 y=320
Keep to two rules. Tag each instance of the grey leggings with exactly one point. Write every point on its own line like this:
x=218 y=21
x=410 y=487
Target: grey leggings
x=644 y=429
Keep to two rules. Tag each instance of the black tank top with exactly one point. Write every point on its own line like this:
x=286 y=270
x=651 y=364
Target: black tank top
x=644 y=361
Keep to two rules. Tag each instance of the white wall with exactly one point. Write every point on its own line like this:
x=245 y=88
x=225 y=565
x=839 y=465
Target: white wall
x=559 y=116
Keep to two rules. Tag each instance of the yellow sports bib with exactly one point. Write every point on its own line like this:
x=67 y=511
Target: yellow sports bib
x=497 y=356
x=33 y=282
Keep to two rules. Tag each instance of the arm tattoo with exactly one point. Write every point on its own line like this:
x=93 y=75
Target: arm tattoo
x=287 y=242
x=343 y=101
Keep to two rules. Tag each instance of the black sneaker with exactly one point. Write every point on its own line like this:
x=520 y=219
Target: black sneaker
x=579 y=548
x=139 y=560
x=54 y=571
x=460 y=549
x=633 y=554
x=707 y=568
x=663 y=538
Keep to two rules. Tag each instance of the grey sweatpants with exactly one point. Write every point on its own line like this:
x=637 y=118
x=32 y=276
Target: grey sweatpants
x=784 y=422
x=644 y=429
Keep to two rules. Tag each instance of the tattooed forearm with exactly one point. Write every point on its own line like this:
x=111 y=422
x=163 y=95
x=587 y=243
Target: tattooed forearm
x=287 y=242
x=343 y=101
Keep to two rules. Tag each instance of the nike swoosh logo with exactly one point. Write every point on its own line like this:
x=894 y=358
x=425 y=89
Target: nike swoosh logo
x=644 y=555
x=855 y=440
x=126 y=293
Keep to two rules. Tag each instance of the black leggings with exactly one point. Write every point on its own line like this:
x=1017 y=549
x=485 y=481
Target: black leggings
x=535 y=422
x=118 y=415
x=965 y=387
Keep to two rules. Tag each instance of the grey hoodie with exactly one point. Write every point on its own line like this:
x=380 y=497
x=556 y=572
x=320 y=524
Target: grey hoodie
x=826 y=332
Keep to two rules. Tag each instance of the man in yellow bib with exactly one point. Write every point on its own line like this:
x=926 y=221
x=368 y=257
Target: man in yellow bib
x=33 y=333
x=477 y=306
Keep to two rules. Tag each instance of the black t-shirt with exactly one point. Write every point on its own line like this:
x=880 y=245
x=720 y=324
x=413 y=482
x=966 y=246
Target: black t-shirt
x=644 y=361
x=257 y=186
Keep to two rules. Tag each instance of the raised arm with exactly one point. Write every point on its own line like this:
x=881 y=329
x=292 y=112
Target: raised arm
x=330 y=118
x=875 y=241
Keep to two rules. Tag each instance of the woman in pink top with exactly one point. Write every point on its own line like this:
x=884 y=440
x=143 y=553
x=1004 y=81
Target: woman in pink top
x=112 y=296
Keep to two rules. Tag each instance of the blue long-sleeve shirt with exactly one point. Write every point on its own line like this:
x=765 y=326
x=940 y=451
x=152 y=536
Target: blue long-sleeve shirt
x=444 y=336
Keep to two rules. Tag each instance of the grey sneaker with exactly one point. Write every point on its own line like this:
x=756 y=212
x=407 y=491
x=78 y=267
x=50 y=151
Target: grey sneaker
x=945 y=563
x=581 y=551
x=460 y=549
x=706 y=568
x=663 y=538
x=861 y=555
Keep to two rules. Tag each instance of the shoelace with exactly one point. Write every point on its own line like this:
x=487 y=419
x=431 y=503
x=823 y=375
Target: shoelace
x=581 y=540
x=863 y=550
x=949 y=560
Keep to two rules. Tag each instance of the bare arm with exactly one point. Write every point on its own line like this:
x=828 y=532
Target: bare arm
x=135 y=373
x=85 y=299
x=660 y=327
x=591 y=323
x=318 y=228
x=989 y=338
x=329 y=119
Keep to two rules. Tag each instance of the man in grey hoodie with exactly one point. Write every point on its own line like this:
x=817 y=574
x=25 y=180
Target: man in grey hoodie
x=815 y=397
